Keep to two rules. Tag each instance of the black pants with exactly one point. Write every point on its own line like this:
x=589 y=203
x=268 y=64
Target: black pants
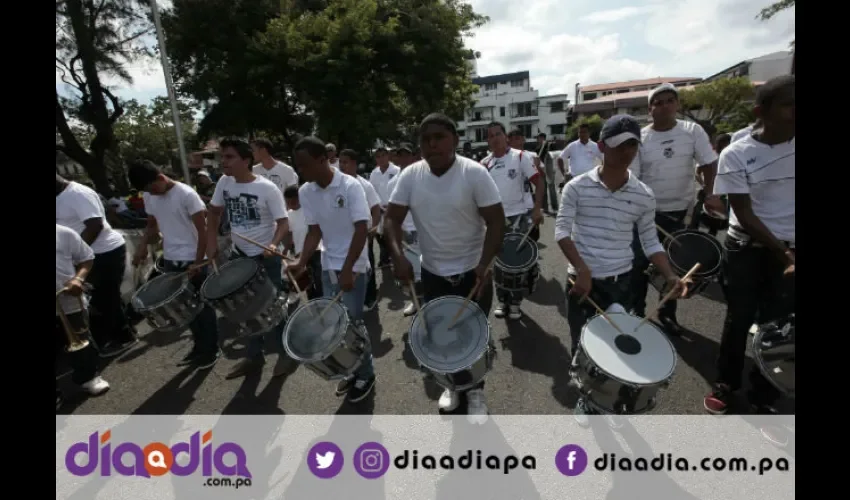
x=753 y=284
x=670 y=222
x=84 y=363
x=372 y=286
x=603 y=291
x=434 y=287
x=108 y=318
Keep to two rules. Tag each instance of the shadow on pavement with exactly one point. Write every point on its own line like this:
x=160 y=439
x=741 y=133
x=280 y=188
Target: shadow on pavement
x=175 y=397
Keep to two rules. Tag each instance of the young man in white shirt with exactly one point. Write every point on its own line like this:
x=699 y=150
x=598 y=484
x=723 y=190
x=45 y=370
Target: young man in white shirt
x=255 y=209
x=580 y=156
x=404 y=154
x=513 y=170
x=177 y=211
x=337 y=214
x=79 y=207
x=758 y=174
x=347 y=164
x=333 y=160
x=460 y=224
x=550 y=196
x=599 y=210
x=281 y=174
x=298 y=232
x=74 y=260
x=665 y=162
x=380 y=179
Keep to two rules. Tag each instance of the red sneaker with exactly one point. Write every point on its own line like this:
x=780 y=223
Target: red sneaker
x=717 y=401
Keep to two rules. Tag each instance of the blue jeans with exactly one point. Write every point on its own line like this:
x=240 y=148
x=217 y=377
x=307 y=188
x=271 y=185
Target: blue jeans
x=274 y=267
x=353 y=301
x=204 y=327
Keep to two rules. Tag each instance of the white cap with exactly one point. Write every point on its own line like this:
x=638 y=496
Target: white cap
x=664 y=87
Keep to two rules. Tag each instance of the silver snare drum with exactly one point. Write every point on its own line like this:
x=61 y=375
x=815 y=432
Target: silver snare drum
x=775 y=353
x=516 y=269
x=168 y=302
x=329 y=344
x=621 y=374
x=460 y=357
x=245 y=295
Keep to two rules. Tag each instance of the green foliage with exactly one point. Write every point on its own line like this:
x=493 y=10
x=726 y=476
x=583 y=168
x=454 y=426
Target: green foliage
x=775 y=8
x=147 y=131
x=712 y=104
x=593 y=122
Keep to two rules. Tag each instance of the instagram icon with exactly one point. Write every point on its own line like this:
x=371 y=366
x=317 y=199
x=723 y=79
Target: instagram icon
x=371 y=460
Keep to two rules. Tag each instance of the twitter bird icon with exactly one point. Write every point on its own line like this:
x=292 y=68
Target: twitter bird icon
x=325 y=460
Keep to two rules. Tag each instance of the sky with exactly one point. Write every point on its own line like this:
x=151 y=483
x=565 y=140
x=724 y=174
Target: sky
x=564 y=42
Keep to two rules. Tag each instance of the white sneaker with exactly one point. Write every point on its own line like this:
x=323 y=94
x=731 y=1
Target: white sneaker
x=581 y=412
x=514 y=313
x=477 y=407
x=96 y=386
x=499 y=312
x=410 y=310
x=449 y=400
x=754 y=329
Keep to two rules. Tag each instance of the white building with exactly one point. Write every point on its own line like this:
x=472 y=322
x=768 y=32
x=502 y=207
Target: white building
x=760 y=69
x=511 y=100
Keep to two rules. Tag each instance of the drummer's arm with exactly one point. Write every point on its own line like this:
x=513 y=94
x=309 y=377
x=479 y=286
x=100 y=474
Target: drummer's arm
x=706 y=158
x=311 y=243
x=213 y=221
x=564 y=227
x=376 y=218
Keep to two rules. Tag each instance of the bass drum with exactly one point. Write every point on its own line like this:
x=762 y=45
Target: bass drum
x=775 y=353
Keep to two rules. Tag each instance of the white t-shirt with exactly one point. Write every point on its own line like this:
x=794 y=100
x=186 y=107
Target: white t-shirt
x=445 y=211
x=281 y=174
x=666 y=163
x=380 y=180
x=408 y=225
x=335 y=209
x=744 y=132
x=767 y=174
x=298 y=227
x=70 y=251
x=372 y=197
x=580 y=158
x=173 y=212
x=253 y=209
x=511 y=171
x=334 y=164
x=77 y=204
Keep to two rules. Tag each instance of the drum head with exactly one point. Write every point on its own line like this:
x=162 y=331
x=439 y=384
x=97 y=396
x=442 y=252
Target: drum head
x=159 y=290
x=511 y=258
x=312 y=336
x=643 y=356
x=691 y=247
x=231 y=277
x=774 y=350
x=449 y=351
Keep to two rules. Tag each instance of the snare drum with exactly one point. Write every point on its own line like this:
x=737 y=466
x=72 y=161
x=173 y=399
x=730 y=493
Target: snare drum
x=329 y=344
x=168 y=302
x=458 y=358
x=245 y=295
x=685 y=249
x=774 y=350
x=621 y=374
x=517 y=270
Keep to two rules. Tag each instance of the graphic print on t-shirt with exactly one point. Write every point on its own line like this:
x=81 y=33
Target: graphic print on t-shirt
x=276 y=179
x=242 y=210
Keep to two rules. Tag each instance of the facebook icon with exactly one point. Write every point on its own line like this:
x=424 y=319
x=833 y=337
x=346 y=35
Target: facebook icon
x=571 y=460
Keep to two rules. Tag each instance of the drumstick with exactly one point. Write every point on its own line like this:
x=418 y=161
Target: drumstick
x=668 y=296
x=525 y=236
x=599 y=310
x=327 y=307
x=468 y=298
x=215 y=266
x=274 y=251
x=666 y=234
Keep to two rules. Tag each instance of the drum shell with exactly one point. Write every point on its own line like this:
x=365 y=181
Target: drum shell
x=472 y=375
x=711 y=222
x=517 y=278
x=255 y=305
x=342 y=359
x=770 y=359
x=173 y=314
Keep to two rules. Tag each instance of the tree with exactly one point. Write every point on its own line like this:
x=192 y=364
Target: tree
x=147 y=131
x=95 y=39
x=724 y=103
x=594 y=123
x=773 y=9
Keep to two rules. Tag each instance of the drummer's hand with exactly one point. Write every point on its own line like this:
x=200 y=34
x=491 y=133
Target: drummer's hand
x=482 y=272
x=141 y=255
x=582 y=284
x=680 y=286
x=537 y=217
x=212 y=253
x=194 y=268
x=269 y=251
x=791 y=257
x=296 y=268
x=346 y=280
x=74 y=287
x=403 y=270
x=373 y=231
x=714 y=204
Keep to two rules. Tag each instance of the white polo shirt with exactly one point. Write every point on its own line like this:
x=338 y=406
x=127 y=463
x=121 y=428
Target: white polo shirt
x=380 y=181
x=767 y=174
x=335 y=209
x=253 y=209
x=281 y=174
x=666 y=163
x=298 y=228
x=445 y=211
x=582 y=157
x=511 y=171
x=173 y=212
x=372 y=197
x=77 y=204
x=70 y=251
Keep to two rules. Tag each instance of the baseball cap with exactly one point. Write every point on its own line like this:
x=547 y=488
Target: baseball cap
x=664 y=87
x=404 y=146
x=330 y=147
x=203 y=173
x=619 y=129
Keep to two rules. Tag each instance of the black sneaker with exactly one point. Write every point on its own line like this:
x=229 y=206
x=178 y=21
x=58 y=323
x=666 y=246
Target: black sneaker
x=117 y=348
x=190 y=358
x=344 y=386
x=205 y=361
x=361 y=389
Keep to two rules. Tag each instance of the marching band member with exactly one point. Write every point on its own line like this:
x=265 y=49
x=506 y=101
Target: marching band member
x=581 y=155
x=333 y=160
x=255 y=209
x=278 y=172
x=298 y=231
x=404 y=153
x=665 y=163
x=337 y=214
x=512 y=171
x=596 y=219
x=516 y=140
x=758 y=174
x=460 y=224
x=178 y=212
x=79 y=208
x=74 y=261
x=380 y=179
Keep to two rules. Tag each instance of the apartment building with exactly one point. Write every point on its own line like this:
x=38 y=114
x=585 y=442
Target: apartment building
x=759 y=69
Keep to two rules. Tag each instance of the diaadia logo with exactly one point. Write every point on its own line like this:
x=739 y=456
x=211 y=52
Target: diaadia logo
x=156 y=459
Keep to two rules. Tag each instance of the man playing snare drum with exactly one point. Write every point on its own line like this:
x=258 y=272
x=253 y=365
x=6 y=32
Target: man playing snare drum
x=594 y=227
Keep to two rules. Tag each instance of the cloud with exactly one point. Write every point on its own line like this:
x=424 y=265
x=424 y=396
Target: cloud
x=614 y=15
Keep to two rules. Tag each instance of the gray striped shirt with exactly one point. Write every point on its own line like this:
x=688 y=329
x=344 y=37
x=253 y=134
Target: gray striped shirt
x=600 y=222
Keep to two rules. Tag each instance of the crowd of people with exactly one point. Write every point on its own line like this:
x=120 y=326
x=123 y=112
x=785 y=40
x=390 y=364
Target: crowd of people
x=623 y=196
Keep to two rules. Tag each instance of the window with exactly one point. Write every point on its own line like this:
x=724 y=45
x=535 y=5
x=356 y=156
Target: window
x=489 y=86
x=556 y=107
x=461 y=133
x=589 y=96
x=556 y=129
x=525 y=129
x=477 y=116
x=502 y=111
x=517 y=83
x=525 y=109
x=480 y=135
x=623 y=91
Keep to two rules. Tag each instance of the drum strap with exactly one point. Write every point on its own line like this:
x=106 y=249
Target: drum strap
x=738 y=233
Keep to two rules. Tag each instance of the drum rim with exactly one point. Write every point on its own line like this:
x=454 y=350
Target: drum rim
x=617 y=379
x=334 y=345
x=184 y=286
x=714 y=215
x=757 y=355
x=210 y=276
x=699 y=274
x=414 y=348
x=535 y=256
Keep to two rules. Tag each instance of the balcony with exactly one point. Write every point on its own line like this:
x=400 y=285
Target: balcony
x=478 y=118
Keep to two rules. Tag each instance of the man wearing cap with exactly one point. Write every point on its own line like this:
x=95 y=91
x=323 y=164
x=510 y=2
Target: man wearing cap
x=665 y=162
x=404 y=156
x=380 y=179
x=333 y=159
x=599 y=211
